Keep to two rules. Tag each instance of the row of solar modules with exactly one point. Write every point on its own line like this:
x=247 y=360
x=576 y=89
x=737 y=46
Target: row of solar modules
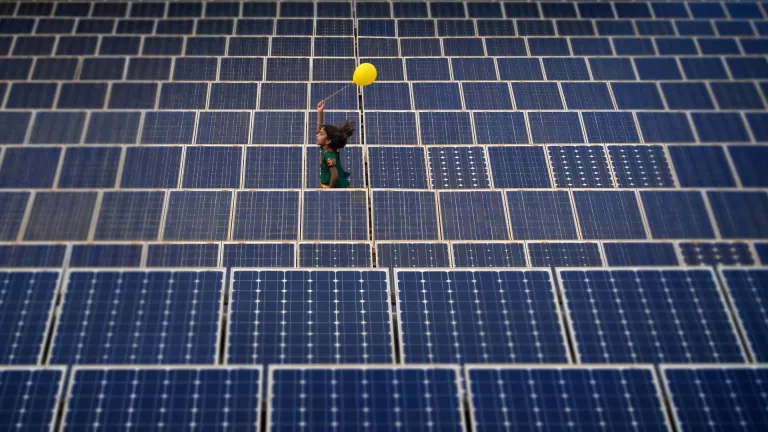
x=380 y=128
x=500 y=397
x=343 y=47
x=366 y=9
x=385 y=28
x=386 y=167
x=206 y=215
x=324 y=316
x=388 y=254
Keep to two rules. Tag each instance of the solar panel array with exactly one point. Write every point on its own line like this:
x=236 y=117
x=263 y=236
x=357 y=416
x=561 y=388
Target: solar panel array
x=534 y=186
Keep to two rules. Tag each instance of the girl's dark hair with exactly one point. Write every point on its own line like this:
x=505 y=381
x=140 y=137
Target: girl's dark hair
x=339 y=134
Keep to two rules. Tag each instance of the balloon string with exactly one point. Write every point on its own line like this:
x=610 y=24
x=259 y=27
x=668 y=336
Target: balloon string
x=337 y=92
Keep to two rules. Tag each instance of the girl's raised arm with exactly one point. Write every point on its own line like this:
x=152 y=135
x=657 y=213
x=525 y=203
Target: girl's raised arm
x=320 y=112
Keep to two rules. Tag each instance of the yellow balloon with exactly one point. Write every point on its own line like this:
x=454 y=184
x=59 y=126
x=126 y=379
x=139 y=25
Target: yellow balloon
x=365 y=74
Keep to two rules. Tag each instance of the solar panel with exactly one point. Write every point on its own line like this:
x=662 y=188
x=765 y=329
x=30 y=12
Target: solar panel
x=714 y=253
x=637 y=254
x=739 y=214
x=608 y=215
x=197 y=215
x=469 y=316
x=653 y=315
x=473 y=215
x=90 y=167
x=519 y=167
x=397 y=167
x=580 y=166
x=458 y=168
x=190 y=255
x=640 y=166
x=349 y=220
x=30 y=397
x=521 y=397
x=266 y=215
x=139 y=317
x=127 y=215
x=745 y=289
x=491 y=254
x=412 y=254
x=404 y=215
x=335 y=255
x=358 y=397
x=277 y=255
x=106 y=255
x=564 y=254
x=60 y=216
x=211 y=398
x=309 y=316
x=541 y=215
x=716 y=397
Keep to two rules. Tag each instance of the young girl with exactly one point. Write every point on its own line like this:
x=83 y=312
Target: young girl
x=331 y=138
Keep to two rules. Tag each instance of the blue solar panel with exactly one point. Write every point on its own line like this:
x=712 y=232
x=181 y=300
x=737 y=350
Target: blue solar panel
x=28 y=300
x=496 y=254
x=210 y=398
x=38 y=255
x=357 y=397
x=565 y=254
x=30 y=397
x=701 y=166
x=500 y=128
x=212 y=167
x=305 y=316
x=486 y=95
x=422 y=254
x=197 y=215
x=587 y=95
x=273 y=167
x=519 y=167
x=279 y=127
x=134 y=317
x=349 y=219
x=335 y=255
x=266 y=215
x=394 y=167
x=541 y=215
x=14 y=205
x=676 y=215
x=472 y=316
x=274 y=255
x=445 y=127
x=640 y=166
x=715 y=253
x=607 y=215
x=522 y=398
x=717 y=398
x=746 y=289
x=473 y=215
x=223 y=127
x=168 y=127
x=390 y=128
x=128 y=215
x=739 y=214
x=580 y=166
x=637 y=316
x=536 y=96
x=555 y=127
x=638 y=254
x=404 y=215
x=60 y=216
x=106 y=255
x=458 y=168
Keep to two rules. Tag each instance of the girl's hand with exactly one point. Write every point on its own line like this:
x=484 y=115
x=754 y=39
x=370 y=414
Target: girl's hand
x=321 y=106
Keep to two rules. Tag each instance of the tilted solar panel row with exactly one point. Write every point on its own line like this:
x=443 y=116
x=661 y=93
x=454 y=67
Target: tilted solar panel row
x=211 y=215
x=384 y=28
x=385 y=167
x=397 y=10
x=345 y=316
x=380 y=127
x=357 y=396
x=388 y=254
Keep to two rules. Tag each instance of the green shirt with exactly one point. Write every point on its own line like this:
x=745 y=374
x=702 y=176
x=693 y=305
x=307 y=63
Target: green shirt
x=330 y=159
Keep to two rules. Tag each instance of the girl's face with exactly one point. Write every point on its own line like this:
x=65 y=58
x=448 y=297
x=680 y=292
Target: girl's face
x=321 y=137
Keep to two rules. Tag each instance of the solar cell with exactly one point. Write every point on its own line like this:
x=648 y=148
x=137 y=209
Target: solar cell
x=396 y=167
x=445 y=127
x=37 y=255
x=458 y=168
x=309 y=316
x=233 y=96
x=654 y=315
x=183 y=255
x=716 y=397
x=223 y=127
x=197 y=215
x=133 y=215
x=168 y=127
x=473 y=215
x=211 y=398
x=411 y=254
x=491 y=254
x=372 y=395
x=150 y=167
x=676 y=215
x=335 y=255
x=565 y=254
x=89 y=167
x=745 y=289
x=380 y=128
x=404 y=215
x=587 y=96
x=715 y=253
x=466 y=316
x=30 y=397
x=747 y=161
x=500 y=128
x=555 y=127
x=739 y=214
x=608 y=215
x=32 y=167
x=486 y=95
